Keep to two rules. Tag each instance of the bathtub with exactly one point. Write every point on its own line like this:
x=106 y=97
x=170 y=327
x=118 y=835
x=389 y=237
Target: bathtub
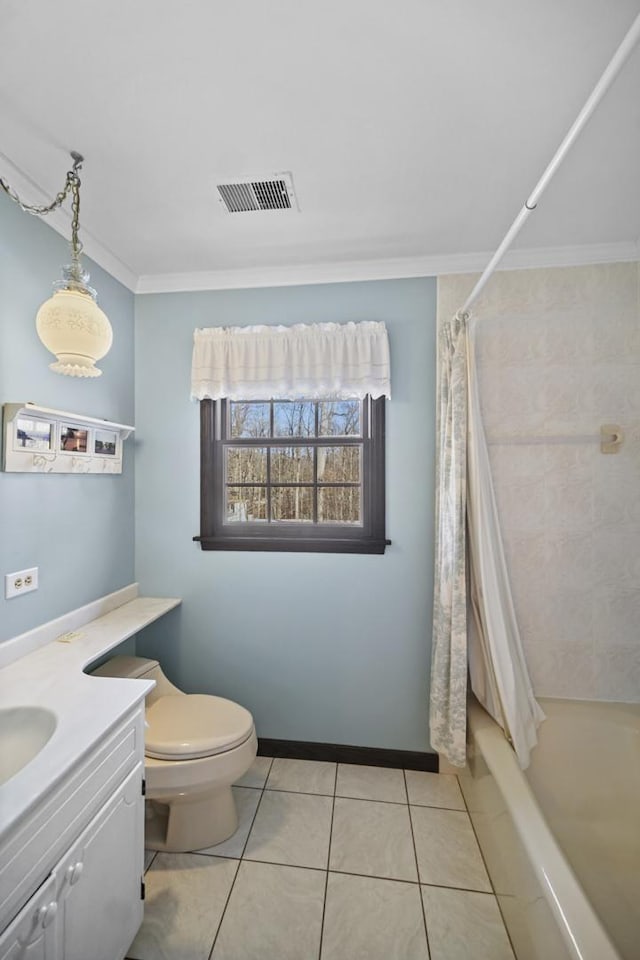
x=562 y=840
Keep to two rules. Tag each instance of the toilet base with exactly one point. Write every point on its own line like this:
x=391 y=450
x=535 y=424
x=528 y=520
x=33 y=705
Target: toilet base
x=191 y=801
x=191 y=822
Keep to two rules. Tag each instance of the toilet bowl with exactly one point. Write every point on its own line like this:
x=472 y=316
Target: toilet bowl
x=196 y=747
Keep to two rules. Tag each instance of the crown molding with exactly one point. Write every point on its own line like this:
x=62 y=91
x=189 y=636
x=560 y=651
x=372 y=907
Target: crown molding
x=529 y=258
x=348 y=271
x=390 y=269
x=31 y=192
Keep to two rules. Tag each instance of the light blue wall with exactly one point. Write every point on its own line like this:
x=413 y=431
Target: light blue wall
x=77 y=530
x=322 y=647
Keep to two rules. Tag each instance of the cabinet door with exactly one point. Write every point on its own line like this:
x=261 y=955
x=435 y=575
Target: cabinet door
x=32 y=935
x=99 y=881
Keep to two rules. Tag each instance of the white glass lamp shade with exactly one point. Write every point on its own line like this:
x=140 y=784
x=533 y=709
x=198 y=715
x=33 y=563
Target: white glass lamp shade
x=73 y=327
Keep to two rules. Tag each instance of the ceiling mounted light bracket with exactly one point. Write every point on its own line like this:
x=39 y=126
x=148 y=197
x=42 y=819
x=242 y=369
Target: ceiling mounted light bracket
x=70 y=324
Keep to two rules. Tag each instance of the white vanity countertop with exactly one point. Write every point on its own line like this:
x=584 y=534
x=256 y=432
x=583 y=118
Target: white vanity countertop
x=85 y=707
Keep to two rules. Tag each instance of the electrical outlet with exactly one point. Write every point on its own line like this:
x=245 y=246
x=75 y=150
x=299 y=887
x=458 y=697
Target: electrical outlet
x=23 y=581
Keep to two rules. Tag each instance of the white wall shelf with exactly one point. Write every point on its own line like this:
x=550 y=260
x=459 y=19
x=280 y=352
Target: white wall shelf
x=42 y=440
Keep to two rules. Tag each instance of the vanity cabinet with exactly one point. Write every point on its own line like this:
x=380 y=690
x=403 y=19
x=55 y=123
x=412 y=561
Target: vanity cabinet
x=32 y=935
x=99 y=882
x=88 y=905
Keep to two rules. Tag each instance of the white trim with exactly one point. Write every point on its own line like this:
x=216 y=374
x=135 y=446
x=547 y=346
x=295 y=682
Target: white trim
x=25 y=643
x=31 y=192
x=532 y=258
x=392 y=269
x=396 y=268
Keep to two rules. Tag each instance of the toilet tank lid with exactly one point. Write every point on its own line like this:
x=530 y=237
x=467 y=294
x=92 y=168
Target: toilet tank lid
x=125 y=667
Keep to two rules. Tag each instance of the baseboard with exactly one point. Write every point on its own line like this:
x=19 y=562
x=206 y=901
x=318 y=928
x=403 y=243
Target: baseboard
x=341 y=753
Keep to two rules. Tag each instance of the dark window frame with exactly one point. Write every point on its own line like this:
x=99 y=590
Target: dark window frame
x=215 y=534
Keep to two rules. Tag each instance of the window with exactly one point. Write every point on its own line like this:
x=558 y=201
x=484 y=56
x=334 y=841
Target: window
x=290 y=473
x=297 y=475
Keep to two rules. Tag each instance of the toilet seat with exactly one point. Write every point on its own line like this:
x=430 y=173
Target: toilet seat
x=191 y=726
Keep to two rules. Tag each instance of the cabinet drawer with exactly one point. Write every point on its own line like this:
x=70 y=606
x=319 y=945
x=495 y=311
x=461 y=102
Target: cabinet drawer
x=36 y=845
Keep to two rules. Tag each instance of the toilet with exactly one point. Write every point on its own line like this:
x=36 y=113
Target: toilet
x=196 y=747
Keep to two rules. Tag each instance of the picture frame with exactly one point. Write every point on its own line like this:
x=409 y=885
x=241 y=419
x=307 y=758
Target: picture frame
x=105 y=443
x=73 y=439
x=33 y=434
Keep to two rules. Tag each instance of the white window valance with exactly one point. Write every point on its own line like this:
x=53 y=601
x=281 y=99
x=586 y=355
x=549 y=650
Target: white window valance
x=338 y=360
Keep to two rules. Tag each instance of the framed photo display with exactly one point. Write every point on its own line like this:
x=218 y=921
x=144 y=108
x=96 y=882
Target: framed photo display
x=42 y=440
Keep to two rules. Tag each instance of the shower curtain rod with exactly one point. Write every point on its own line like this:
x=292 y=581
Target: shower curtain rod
x=615 y=65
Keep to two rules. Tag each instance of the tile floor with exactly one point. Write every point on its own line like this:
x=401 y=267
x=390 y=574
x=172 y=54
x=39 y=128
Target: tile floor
x=330 y=862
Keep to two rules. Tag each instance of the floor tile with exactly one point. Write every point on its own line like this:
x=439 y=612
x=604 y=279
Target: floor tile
x=372 y=838
x=371 y=919
x=257 y=773
x=291 y=828
x=434 y=790
x=464 y=926
x=448 y=852
x=185 y=898
x=370 y=783
x=247 y=801
x=273 y=912
x=303 y=776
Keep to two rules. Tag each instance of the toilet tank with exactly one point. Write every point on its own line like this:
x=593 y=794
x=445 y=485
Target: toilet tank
x=134 y=668
x=138 y=668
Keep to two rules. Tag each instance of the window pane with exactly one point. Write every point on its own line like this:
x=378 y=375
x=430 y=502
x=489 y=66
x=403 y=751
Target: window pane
x=246 y=465
x=292 y=503
x=339 y=505
x=339 y=464
x=246 y=504
x=340 y=418
x=292 y=464
x=294 y=418
x=249 y=419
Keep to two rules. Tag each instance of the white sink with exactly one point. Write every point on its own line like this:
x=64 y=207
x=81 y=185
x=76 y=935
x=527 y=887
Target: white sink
x=23 y=733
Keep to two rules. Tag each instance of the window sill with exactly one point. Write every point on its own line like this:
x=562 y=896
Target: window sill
x=297 y=545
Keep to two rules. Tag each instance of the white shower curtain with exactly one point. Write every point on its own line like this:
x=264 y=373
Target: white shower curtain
x=497 y=666
x=480 y=629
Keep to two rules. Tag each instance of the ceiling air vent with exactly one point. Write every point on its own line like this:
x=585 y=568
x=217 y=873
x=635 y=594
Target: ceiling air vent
x=272 y=193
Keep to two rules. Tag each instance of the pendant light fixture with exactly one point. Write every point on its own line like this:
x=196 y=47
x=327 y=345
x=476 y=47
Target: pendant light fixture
x=71 y=324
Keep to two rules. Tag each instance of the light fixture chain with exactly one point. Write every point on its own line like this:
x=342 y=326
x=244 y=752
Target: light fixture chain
x=72 y=184
x=76 y=246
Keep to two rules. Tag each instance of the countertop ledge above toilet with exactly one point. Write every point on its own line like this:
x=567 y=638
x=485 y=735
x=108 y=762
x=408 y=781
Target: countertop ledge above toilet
x=51 y=677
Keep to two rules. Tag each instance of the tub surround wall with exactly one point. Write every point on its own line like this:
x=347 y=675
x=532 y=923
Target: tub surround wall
x=559 y=354
x=329 y=648
x=77 y=529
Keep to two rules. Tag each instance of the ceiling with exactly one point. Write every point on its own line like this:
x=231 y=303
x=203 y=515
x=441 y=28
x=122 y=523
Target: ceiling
x=414 y=130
